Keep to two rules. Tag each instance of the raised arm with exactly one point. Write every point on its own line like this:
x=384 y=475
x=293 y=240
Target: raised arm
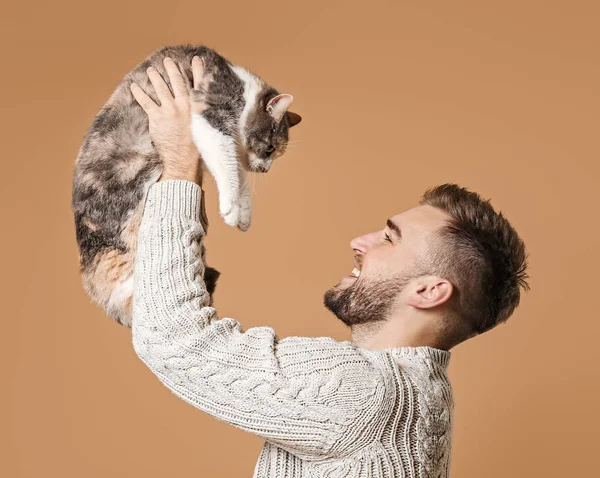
x=314 y=397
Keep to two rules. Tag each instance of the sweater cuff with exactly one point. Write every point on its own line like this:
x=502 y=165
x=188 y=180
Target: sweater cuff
x=174 y=197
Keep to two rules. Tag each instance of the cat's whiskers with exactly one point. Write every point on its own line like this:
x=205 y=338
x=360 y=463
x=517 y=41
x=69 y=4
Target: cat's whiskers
x=252 y=184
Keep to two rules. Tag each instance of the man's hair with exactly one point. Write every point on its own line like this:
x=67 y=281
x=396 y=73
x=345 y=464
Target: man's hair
x=481 y=254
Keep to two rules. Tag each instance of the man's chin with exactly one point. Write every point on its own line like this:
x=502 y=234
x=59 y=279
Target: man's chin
x=355 y=301
x=332 y=300
x=338 y=300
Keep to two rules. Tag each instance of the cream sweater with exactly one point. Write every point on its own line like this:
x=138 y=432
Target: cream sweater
x=325 y=408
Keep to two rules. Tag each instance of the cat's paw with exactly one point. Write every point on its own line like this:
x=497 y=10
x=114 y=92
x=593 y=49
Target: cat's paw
x=245 y=217
x=244 y=225
x=232 y=218
x=225 y=205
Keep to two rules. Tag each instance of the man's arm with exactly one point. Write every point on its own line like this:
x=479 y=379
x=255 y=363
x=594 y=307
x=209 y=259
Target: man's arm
x=314 y=397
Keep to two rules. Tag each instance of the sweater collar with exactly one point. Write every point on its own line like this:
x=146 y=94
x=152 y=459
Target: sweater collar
x=441 y=357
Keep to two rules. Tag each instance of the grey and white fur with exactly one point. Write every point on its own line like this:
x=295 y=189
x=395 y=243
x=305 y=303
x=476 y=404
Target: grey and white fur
x=239 y=124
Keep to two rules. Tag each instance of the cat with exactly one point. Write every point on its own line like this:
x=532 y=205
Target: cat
x=242 y=125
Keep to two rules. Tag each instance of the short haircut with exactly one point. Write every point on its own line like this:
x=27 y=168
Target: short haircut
x=481 y=254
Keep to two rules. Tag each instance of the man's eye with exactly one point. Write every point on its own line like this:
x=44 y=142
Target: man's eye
x=388 y=238
x=270 y=149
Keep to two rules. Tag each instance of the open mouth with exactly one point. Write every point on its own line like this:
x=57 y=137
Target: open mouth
x=355 y=274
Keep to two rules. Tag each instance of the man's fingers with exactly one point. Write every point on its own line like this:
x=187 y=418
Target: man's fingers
x=142 y=98
x=197 y=70
x=161 y=88
x=175 y=78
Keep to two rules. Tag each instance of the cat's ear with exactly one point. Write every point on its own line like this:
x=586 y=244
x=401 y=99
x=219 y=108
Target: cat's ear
x=278 y=105
x=293 y=118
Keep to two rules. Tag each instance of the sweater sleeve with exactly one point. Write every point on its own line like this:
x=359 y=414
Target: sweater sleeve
x=314 y=397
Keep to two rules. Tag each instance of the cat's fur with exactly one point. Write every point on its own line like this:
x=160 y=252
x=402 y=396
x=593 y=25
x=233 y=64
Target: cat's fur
x=239 y=123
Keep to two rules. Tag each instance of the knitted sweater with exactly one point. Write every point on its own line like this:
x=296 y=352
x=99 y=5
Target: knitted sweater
x=325 y=408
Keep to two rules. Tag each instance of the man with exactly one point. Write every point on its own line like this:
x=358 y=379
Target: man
x=380 y=405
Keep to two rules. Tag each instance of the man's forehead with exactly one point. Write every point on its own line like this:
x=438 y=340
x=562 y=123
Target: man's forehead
x=423 y=219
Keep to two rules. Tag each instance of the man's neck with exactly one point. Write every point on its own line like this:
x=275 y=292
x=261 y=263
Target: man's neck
x=395 y=333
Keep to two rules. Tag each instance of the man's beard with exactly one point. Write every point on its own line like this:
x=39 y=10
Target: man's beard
x=365 y=301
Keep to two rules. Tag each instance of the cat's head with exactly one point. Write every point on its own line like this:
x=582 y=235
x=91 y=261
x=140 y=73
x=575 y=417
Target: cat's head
x=266 y=129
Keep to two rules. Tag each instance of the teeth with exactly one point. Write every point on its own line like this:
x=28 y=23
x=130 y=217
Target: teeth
x=355 y=272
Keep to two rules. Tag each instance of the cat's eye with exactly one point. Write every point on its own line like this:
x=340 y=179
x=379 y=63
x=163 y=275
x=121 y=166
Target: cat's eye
x=270 y=149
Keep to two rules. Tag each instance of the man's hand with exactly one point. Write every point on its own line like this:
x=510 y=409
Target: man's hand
x=170 y=122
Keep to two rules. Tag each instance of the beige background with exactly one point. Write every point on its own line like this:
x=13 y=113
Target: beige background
x=499 y=96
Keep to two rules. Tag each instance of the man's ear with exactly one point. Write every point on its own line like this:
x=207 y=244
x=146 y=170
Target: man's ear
x=429 y=291
x=293 y=118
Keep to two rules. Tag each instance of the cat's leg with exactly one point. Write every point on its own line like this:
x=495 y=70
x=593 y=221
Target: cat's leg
x=245 y=201
x=219 y=153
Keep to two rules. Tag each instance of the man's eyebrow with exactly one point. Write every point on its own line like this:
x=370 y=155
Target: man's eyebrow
x=394 y=227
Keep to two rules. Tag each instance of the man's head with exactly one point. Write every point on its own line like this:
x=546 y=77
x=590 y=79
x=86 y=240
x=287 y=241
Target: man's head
x=454 y=261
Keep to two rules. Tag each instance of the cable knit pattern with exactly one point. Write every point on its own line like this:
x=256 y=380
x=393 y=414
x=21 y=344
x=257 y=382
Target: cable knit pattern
x=325 y=408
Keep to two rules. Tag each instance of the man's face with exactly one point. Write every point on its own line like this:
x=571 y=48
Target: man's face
x=385 y=264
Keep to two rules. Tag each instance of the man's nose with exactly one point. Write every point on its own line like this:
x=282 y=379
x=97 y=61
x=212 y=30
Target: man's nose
x=361 y=244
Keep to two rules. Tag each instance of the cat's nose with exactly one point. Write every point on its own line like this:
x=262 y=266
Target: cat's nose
x=267 y=166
